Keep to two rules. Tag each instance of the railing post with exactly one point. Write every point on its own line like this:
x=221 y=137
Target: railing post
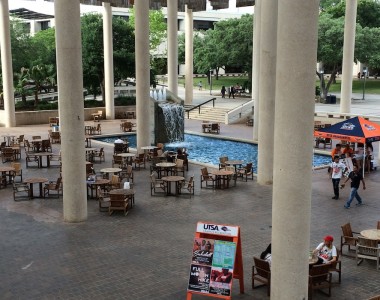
x=213 y=102
x=199 y=109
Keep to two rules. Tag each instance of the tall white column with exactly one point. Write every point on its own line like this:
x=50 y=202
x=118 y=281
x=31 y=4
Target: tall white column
x=348 y=56
x=173 y=46
x=268 y=34
x=296 y=47
x=142 y=73
x=256 y=68
x=189 y=68
x=6 y=65
x=108 y=60
x=71 y=108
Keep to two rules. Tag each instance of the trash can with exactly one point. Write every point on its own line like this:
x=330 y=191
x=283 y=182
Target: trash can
x=332 y=99
x=328 y=99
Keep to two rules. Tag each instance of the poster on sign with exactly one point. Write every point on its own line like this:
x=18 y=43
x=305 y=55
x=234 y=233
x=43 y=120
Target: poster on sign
x=199 y=278
x=203 y=251
x=221 y=281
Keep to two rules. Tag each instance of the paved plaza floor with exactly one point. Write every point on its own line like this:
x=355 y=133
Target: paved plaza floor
x=147 y=254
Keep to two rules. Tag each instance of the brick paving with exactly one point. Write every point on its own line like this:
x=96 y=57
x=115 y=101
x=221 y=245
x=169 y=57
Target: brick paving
x=146 y=255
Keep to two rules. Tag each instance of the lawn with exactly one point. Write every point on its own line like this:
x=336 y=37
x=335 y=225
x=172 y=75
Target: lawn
x=372 y=86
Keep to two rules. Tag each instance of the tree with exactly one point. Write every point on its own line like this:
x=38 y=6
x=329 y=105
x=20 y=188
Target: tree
x=22 y=80
x=93 y=54
x=38 y=74
x=43 y=47
x=157 y=27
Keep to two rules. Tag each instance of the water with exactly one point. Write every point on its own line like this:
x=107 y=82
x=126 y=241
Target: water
x=208 y=150
x=173 y=114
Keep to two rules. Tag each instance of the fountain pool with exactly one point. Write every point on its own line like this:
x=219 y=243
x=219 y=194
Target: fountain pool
x=208 y=150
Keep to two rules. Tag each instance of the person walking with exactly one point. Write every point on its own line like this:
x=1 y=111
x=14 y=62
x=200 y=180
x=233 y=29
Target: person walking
x=223 y=91
x=200 y=85
x=355 y=177
x=336 y=172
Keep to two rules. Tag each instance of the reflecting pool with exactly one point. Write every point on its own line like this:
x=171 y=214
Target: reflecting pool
x=208 y=150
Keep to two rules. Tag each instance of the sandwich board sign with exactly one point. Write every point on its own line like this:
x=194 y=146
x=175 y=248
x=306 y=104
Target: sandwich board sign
x=216 y=260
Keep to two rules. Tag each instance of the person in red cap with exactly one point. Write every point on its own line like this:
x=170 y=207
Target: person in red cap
x=326 y=251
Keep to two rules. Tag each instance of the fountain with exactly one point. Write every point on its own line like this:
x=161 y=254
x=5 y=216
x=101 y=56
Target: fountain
x=168 y=112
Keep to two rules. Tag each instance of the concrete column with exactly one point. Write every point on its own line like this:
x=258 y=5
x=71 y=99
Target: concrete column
x=189 y=68
x=268 y=34
x=173 y=46
x=6 y=65
x=256 y=68
x=348 y=56
x=71 y=108
x=296 y=47
x=378 y=157
x=108 y=61
x=142 y=73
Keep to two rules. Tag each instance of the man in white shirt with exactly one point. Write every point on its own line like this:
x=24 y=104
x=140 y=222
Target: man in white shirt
x=326 y=251
x=336 y=171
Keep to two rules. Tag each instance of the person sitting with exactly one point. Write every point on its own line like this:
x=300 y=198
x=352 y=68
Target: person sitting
x=368 y=157
x=119 y=141
x=337 y=151
x=348 y=151
x=359 y=155
x=326 y=251
x=267 y=254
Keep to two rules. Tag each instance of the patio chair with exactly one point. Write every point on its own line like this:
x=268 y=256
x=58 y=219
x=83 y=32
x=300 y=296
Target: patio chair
x=20 y=140
x=53 y=121
x=222 y=162
x=99 y=154
x=53 y=186
x=156 y=185
x=187 y=187
x=246 y=171
x=261 y=273
x=139 y=160
x=118 y=148
x=98 y=129
x=103 y=199
x=347 y=239
x=336 y=266
x=17 y=171
x=117 y=161
x=7 y=154
x=21 y=191
x=319 y=278
x=207 y=177
x=215 y=128
x=232 y=177
x=55 y=137
x=367 y=249
x=118 y=202
x=114 y=182
x=98 y=116
x=179 y=167
x=30 y=158
x=56 y=158
x=185 y=160
x=28 y=147
x=46 y=146
x=129 y=173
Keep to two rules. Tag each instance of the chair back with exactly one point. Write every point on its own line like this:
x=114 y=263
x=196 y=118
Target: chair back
x=204 y=172
x=230 y=168
x=17 y=167
x=319 y=273
x=179 y=163
x=36 y=137
x=214 y=126
x=153 y=177
x=223 y=159
x=117 y=159
x=99 y=127
x=190 y=183
x=262 y=267
x=115 y=180
x=58 y=183
x=118 y=148
x=347 y=231
x=248 y=167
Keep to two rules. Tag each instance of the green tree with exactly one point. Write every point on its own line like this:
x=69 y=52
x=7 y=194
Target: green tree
x=157 y=27
x=21 y=81
x=38 y=74
x=21 y=44
x=93 y=54
x=43 y=47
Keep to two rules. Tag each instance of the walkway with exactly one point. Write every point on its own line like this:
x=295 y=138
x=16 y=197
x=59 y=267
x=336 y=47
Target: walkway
x=146 y=255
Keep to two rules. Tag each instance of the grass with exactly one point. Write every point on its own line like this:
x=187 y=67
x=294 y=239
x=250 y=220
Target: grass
x=372 y=86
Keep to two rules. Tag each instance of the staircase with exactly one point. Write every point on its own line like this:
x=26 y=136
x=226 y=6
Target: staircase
x=208 y=113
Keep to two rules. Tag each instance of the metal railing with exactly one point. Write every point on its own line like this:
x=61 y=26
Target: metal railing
x=242 y=111
x=199 y=107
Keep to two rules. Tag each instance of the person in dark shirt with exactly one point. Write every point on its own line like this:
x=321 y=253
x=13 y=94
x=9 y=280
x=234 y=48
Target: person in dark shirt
x=355 y=177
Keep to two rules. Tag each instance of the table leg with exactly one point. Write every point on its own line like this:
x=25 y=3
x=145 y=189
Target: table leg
x=41 y=191
x=31 y=190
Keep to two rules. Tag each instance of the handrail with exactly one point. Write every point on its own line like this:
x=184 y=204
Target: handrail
x=199 y=106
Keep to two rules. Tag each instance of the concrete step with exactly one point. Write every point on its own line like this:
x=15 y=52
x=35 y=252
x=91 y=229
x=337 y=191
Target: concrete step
x=213 y=114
